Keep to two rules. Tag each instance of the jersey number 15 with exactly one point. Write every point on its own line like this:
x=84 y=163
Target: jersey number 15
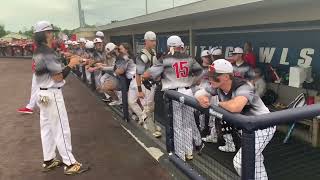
x=181 y=69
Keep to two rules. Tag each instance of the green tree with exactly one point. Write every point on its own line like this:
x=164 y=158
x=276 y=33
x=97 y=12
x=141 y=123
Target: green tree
x=3 y=32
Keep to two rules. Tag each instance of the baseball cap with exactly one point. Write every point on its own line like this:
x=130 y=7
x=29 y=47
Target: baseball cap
x=75 y=43
x=97 y=40
x=151 y=36
x=220 y=66
x=82 y=40
x=216 y=52
x=182 y=45
x=99 y=34
x=110 y=47
x=205 y=53
x=237 y=50
x=174 y=41
x=43 y=26
x=89 y=45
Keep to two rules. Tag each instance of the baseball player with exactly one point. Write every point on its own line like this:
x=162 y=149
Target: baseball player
x=145 y=89
x=54 y=124
x=88 y=55
x=107 y=67
x=98 y=57
x=33 y=98
x=240 y=67
x=237 y=96
x=179 y=72
x=110 y=85
x=100 y=35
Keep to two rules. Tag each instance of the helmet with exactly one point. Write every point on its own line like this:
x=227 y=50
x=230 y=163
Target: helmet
x=110 y=47
x=89 y=45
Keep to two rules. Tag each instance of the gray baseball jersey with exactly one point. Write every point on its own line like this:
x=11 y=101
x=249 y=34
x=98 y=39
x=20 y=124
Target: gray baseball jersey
x=243 y=71
x=255 y=105
x=178 y=71
x=47 y=63
x=99 y=56
x=145 y=60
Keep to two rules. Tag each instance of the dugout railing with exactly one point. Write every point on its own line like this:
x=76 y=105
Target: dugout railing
x=247 y=125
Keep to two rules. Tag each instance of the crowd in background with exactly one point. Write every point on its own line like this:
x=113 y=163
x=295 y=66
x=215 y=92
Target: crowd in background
x=16 y=48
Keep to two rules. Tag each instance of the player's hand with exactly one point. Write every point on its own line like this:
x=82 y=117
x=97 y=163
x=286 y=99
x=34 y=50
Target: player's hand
x=146 y=75
x=67 y=54
x=74 y=60
x=141 y=95
x=203 y=101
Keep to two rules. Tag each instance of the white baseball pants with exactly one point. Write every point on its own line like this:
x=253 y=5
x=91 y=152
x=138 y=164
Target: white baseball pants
x=55 y=130
x=34 y=93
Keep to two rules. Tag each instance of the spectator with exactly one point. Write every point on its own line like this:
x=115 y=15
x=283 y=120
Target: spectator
x=249 y=56
x=259 y=83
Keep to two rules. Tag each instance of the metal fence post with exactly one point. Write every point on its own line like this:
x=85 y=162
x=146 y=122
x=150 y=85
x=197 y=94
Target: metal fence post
x=93 y=81
x=169 y=125
x=248 y=155
x=124 y=93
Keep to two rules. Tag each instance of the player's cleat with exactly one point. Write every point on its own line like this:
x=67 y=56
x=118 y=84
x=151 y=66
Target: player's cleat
x=200 y=148
x=25 y=110
x=145 y=126
x=157 y=134
x=189 y=157
x=227 y=148
x=210 y=139
x=115 y=103
x=51 y=165
x=134 y=117
x=106 y=99
x=74 y=169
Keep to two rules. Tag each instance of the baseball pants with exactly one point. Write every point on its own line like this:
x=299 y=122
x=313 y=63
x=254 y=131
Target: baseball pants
x=185 y=130
x=34 y=93
x=147 y=103
x=54 y=125
x=262 y=138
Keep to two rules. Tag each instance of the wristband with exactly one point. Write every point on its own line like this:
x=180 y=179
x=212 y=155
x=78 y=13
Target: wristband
x=139 y=89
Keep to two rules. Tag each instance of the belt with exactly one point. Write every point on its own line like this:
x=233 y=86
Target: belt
x=44 y=89
x=176 y=89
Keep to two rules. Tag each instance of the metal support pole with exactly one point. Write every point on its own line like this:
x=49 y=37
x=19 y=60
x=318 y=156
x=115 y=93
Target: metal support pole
x=93 y=81
x=124 y=93
x=169 y=125
x=191 y=43
x=146 y=6
x=248 y=155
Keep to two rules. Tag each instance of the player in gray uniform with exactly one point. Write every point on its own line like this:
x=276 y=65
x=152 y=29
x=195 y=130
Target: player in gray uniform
x=241 y=68
x=178 y=71
x=124 y=65
x=237 y=96
x=54 y=124
x=144 y=90
x=99 y=56
x=107 y=67
x=89 y=56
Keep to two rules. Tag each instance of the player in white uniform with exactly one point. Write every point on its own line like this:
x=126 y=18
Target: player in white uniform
x=178 y=71
x=33 y=98
x=54 y=124
x=144 y=90
x=237 y=96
